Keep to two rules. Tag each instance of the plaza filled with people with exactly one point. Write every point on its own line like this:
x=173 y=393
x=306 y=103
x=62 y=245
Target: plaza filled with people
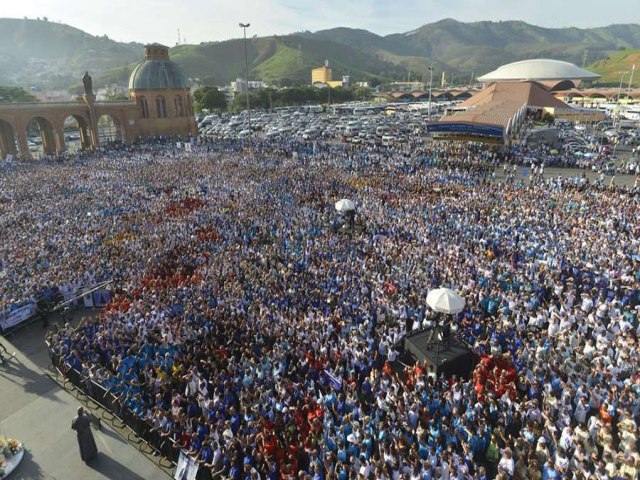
x=246 y=331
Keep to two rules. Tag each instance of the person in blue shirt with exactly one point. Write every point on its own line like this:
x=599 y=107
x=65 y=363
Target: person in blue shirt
x=204 y=461
x=549 y=472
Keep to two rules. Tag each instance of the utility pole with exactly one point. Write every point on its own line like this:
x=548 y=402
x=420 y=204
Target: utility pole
x=244 y=27
x=430 y=86
x=622 y=74
x=633 y=70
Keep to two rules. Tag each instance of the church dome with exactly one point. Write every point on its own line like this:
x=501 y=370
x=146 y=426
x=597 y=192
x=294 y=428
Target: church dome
x=157 y=72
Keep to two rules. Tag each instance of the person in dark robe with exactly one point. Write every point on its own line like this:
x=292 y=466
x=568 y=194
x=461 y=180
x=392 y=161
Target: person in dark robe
x=82 y=425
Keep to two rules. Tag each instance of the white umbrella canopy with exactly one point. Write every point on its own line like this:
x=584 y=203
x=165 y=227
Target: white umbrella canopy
x=345 y=205
x=445 y=300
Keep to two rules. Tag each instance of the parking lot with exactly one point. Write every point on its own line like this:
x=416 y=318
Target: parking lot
x=373 y=125
x=609 y=147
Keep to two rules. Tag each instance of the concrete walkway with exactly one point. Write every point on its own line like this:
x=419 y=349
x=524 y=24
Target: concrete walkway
x=37 y=411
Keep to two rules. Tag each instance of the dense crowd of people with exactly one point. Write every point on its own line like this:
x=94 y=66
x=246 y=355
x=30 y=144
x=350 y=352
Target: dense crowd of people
x=247 y=333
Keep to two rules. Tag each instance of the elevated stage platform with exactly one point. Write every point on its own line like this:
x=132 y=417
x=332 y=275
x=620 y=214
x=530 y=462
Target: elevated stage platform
x=451 y=357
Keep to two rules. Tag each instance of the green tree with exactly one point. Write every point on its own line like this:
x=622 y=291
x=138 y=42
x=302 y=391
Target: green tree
x=257 y=99
x=362 y=93
x=117 y=97
x=340 y=94
x=548 y=118
x=15 y=95
x=209 y=98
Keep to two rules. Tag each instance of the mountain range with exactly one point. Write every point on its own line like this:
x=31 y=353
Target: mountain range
x=51 y=55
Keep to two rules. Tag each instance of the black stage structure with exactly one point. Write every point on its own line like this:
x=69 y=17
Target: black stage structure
x=440 y=350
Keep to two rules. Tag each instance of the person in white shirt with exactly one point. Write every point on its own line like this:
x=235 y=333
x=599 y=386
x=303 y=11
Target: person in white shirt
x=581 y=411
x=587 y=303
x=507 y=464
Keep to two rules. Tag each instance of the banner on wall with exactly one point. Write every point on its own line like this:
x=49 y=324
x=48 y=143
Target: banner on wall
x=18 y=316
x=87 y=298
x=101 y=297
x=186 y=468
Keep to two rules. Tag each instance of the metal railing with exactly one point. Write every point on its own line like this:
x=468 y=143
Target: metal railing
x=140 y=431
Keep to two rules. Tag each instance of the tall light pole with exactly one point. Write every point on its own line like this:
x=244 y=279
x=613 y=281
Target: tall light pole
x=244 y=27
x=622 y=74
x=430 y=85
x=615 y=145
x=633 y=70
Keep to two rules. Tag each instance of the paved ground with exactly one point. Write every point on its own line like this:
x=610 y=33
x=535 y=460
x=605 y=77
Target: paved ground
x=37 y=411
x=621 y=179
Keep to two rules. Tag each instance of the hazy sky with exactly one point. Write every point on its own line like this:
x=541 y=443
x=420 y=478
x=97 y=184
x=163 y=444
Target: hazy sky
x=202 y=20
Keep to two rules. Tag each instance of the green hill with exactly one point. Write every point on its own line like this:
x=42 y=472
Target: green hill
x=480 y=47
x=612 y=67
x=52 y=55
x=275 y=59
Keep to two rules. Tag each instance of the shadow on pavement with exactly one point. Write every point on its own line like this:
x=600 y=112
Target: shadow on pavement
x=110 y=433
x=31 y=380
x=111 y=468
x=28 y=469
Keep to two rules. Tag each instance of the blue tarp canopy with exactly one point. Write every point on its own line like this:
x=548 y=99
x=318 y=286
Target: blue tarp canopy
x=467 y=129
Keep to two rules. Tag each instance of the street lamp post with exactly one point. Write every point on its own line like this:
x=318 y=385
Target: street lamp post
x=244 y=27
x=430 y=84
x=615 y=145
x=622 y=74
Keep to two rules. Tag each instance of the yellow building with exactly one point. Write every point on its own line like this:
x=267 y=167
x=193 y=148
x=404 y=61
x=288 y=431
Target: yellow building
x=321 y=74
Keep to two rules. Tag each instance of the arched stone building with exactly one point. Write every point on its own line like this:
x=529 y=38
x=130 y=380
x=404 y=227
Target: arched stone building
x=160 y=104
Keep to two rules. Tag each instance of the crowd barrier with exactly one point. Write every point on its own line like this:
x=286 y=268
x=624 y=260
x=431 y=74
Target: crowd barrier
x=106 y=399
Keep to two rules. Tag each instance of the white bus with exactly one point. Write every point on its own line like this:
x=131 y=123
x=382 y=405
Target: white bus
x=388 y=140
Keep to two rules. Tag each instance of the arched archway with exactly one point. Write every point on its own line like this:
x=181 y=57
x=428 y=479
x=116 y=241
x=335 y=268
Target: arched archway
x=109 y=129
x=77 y=135
x=178 y=106
x=8 y=140
x=41 y=136
x=161 y=107
x=143 y=104
x=562 y=85
x=443 y=97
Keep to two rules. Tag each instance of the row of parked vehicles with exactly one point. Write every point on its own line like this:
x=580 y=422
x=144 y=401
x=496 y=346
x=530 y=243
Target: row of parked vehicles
x=311 y=123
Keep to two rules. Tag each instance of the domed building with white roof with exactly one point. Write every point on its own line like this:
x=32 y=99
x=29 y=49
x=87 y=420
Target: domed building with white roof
x=513 y=94
x=554 y=74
